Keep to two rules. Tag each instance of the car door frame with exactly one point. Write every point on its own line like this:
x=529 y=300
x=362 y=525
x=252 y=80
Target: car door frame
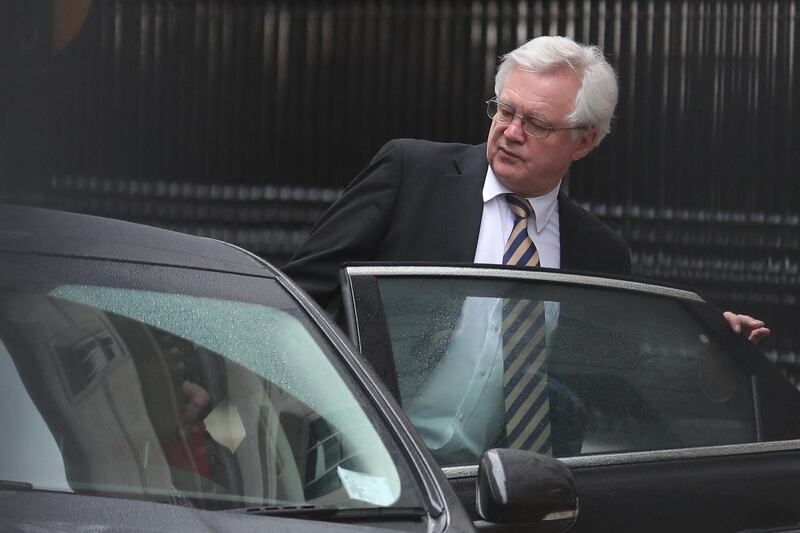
x=707 y=488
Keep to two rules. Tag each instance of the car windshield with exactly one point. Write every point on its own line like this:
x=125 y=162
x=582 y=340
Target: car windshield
x=166 y=391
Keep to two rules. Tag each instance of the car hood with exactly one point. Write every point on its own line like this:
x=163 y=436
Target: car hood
x=49 y=511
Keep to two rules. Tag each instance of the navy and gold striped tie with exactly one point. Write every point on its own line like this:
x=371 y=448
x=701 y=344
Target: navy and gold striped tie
x=527 y=404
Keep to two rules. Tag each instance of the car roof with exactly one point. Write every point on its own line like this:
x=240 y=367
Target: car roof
x=44 y=231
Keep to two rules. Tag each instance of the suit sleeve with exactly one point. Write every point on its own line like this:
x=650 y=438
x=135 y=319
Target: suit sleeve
x=352 y=229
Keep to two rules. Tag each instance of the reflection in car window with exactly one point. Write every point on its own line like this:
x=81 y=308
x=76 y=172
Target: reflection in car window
x=154 y=395
x=624 y=371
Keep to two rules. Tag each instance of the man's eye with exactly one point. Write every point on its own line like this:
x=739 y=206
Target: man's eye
x=534 y=124
x=505 y=113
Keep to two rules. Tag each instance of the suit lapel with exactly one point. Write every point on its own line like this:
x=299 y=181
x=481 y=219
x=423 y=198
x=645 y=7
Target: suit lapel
x=464 y=203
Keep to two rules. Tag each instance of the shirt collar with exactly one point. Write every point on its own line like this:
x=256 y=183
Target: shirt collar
x=543 y=206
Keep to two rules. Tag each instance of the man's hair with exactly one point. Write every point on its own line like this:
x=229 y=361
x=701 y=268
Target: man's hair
x=597 y=97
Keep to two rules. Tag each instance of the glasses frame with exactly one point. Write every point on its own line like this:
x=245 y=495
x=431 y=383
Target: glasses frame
x=526 y=119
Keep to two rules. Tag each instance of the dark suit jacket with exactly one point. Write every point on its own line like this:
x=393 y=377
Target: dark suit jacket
x=421 y=201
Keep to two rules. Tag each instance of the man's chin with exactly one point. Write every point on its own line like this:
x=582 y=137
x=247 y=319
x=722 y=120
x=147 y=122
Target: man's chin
x=510 y=178
x=522 y=185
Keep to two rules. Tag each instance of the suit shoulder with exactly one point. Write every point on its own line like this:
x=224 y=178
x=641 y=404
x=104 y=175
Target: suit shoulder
x=422 y=160
x=587 y=219
x=603 y=249
x=420 y=148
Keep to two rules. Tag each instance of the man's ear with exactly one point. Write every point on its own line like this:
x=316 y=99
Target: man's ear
x=585 y=144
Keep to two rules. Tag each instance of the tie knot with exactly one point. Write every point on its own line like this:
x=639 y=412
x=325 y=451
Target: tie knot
x=520 y=206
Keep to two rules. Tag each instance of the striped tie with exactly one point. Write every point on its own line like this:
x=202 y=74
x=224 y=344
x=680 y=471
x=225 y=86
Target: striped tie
x=527 y=404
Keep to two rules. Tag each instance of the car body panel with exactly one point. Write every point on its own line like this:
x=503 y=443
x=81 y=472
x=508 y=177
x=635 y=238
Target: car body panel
x=43 y=511
x=44 y=231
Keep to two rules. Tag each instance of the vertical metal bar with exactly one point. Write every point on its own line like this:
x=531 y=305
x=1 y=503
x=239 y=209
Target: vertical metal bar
x=522 y=34
x=268 y=117
x=283 y=104
x=628 y=97
x=490 y=40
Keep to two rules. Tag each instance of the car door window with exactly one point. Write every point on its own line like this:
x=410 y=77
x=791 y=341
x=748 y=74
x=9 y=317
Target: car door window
x=624 y=370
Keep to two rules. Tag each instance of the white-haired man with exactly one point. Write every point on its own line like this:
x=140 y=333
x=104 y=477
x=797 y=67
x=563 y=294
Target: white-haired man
x=425 y=201
x=499 y=203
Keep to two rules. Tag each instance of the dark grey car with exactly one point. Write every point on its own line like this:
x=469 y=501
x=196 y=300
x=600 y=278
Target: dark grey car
x=150 y=380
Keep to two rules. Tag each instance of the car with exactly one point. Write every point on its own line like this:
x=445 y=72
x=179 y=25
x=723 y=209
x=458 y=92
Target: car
x=151 y=380
x=668 y=420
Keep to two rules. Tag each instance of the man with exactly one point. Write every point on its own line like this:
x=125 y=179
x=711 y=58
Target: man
x=497 y=203
x=422 y=201
x=425 y=201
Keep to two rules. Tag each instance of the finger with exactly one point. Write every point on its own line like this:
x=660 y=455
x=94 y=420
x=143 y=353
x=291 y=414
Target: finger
x=733 y=321
x=747 y=320
x=758 y=334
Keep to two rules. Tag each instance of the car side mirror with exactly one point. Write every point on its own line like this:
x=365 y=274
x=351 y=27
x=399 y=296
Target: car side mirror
x=517 y=487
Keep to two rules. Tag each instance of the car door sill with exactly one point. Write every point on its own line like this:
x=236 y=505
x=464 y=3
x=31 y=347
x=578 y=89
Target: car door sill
x=455 y=472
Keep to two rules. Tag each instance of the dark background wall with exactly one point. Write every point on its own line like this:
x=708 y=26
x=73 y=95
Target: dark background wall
x=244 y=119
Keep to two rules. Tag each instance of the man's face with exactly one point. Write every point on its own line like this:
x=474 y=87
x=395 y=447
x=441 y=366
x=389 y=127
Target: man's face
x=525 y=164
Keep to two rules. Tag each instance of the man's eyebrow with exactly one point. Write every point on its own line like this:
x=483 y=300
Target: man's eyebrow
x=537 y=117
x=527 y=115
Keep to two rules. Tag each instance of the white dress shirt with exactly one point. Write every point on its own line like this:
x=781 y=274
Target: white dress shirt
x=459 y=410
x=498 y=221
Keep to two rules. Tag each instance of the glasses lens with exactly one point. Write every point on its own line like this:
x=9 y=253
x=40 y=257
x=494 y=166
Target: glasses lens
x=536 y=127
x=491 y=109
x=500 y=112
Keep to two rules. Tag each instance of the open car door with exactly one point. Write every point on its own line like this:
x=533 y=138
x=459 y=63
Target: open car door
x=668 y=421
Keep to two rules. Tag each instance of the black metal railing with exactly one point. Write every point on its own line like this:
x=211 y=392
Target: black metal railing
x=243 y=119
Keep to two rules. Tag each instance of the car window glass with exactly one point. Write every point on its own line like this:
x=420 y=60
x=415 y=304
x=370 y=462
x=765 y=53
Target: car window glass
x=277 y=348
x=171 y=396
x=622 y=371
x=30 y=453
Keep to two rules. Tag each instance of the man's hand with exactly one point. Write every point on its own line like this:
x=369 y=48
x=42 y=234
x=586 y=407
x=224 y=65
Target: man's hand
x=747 y=325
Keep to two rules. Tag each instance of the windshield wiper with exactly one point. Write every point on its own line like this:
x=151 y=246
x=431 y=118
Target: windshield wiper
x=312 y=512
x=176 y=497
x=7 y=484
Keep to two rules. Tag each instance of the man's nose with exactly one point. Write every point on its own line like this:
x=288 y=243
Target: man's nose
x=514 y=131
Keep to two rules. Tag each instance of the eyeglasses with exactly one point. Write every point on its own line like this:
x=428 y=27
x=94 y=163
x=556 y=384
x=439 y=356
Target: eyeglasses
x=531 y=125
